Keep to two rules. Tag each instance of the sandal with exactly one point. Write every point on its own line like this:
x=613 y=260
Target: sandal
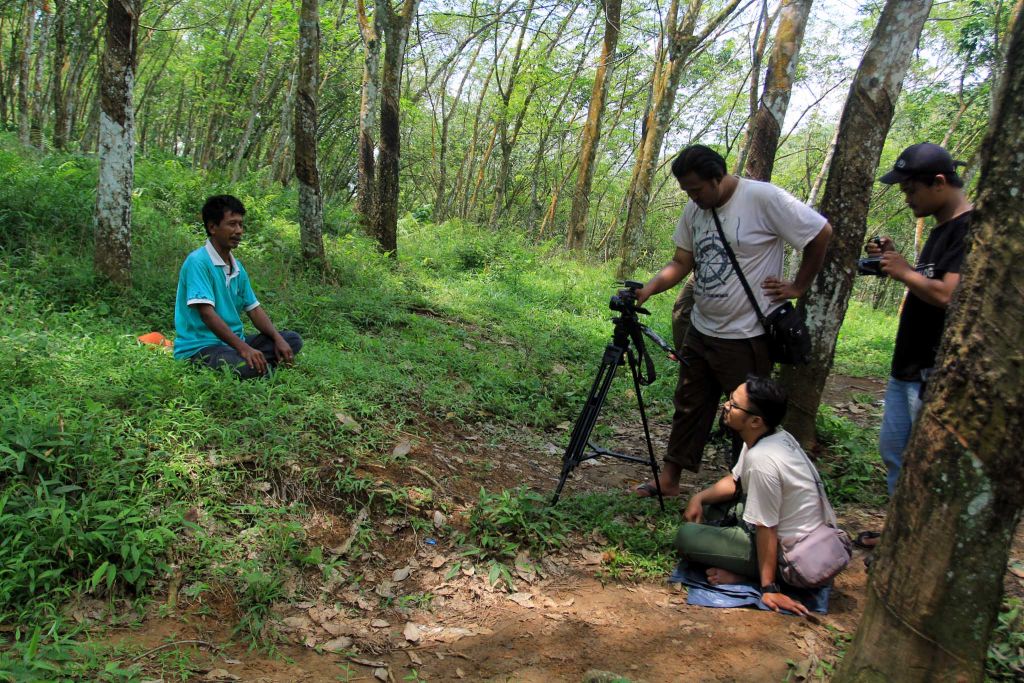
x=861 y=541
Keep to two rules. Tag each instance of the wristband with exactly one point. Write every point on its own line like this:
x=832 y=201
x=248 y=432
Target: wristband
x=770 y=588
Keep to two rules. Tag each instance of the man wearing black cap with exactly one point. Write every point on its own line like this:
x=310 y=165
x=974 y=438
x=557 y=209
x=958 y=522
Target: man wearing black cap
x=926 y=174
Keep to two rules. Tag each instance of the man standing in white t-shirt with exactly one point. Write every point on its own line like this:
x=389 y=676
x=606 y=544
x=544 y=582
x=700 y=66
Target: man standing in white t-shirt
x=782 y=500
x=726 y=342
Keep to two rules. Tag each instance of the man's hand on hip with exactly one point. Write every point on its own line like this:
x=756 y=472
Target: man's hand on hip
x=780 y=290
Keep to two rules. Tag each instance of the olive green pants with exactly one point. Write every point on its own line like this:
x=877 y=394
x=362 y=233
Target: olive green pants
x=730 y=547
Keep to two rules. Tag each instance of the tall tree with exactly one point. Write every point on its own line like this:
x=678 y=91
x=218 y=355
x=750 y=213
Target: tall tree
x=366 y=172
x=39 y=94
x=116 y=143
x=863 y=127
x=936 y=583
x=395 y=27
x=60 y=70
x=311 y=214
x=682 y=39
x=25 y=67
x=577 y=229
x=765 y=129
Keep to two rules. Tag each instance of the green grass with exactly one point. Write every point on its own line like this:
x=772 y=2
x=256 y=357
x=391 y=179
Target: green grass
x=865 y=343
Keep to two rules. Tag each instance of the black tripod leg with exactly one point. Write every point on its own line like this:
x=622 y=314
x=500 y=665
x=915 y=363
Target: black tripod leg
x=647 y=430
x=576 y=451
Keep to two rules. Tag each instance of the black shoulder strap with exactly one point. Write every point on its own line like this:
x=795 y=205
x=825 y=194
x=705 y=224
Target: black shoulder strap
x=739 y=271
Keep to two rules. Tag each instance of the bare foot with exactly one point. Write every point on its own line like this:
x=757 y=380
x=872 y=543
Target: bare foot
x=717 y=577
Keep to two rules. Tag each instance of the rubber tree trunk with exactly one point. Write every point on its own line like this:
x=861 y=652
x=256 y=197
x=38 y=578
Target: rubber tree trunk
x=863 y=127
x=396 y=34
x=311 y=213
x=366 y=174
x=60 y=70
x=116 y=143
x=766 y=127
x=577 y=229
x=936 y=583
x=682 y=41
x=24 y=70
x=39 y=93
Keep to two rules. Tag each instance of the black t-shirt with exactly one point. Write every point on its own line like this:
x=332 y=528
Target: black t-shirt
x=921 y=323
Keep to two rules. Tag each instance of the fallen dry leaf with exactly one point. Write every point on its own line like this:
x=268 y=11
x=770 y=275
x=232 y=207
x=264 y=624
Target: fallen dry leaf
x=381 y=674
x=348 y=423
x=412 y=632
x=439 y=519
x=401 y=574
x=379 y=623
x=220 y=675
x=522 y=599
x=337 y=644
x=438 y=561
x=403 y=448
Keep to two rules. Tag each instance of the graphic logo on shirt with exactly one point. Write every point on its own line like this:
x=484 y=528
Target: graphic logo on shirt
x=713 y=267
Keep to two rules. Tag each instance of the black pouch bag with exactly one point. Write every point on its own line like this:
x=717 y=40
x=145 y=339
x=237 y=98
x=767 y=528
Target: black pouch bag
x=789 y=341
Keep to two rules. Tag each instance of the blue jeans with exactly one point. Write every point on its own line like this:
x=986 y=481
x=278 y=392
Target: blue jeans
x=902 y=404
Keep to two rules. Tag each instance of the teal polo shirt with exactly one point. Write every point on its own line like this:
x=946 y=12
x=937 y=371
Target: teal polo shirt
x=206 y=279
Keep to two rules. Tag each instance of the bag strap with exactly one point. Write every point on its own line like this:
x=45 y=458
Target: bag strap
x=826 y=507
x=739 y=271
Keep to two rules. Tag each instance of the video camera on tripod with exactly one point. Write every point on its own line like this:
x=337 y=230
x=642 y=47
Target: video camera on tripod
x=627 y=347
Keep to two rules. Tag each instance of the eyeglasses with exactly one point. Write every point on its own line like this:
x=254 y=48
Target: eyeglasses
x=731 y=403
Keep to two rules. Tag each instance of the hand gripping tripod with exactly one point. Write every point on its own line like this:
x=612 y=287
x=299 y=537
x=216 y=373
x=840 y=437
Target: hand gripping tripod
x=627 y=330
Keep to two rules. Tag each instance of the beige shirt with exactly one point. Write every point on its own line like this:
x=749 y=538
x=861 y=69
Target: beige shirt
x=779 y=482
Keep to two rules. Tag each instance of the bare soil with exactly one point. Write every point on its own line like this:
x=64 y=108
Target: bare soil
x=564 y=624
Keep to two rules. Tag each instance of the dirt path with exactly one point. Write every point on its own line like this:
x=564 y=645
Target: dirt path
x=562 y=623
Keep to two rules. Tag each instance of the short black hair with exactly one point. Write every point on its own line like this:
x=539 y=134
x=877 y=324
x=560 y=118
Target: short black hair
x=952 y=179
x=700 y=159
x=769 y=398
x=218 y=205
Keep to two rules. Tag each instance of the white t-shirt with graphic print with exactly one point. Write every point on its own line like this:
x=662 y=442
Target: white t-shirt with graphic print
x=756 y=220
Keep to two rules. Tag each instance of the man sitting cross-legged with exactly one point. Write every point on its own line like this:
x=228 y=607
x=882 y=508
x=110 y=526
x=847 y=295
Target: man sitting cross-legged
x=213 y=291
x=781 y=498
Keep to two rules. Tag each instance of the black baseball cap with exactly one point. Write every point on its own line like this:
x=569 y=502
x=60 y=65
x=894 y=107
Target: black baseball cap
x=923 y=160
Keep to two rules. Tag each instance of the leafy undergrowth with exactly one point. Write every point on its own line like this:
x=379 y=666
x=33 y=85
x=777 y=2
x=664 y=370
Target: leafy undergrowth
x=129 y=478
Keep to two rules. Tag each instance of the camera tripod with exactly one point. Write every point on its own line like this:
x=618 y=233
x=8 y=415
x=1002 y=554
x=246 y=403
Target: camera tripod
x=627 y=335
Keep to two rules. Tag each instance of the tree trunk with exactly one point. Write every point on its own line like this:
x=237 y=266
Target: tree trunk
x=116 y=144
x=501 y=124
x=366 y=178
x=681 y=43
x=60 y=70
x=311 y=214
x=766 y=127
x=39 y=93
x=935 y=587
x=863 y=127
x=250 y=123
x=396 y=34
x=577 y=229
x=24 y=71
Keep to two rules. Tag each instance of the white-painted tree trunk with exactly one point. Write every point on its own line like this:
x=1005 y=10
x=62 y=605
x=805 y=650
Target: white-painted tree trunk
x=112 y=255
